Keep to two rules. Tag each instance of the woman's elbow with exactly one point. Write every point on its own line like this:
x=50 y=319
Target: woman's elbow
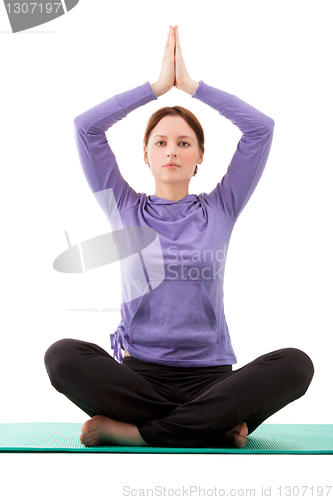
x=270 y=125
x=78 y=123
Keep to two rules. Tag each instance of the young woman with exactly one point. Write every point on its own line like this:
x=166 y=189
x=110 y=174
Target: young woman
x=175 y=386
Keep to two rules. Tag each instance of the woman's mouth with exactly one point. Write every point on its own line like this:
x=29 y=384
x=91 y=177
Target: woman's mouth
x=172 y=165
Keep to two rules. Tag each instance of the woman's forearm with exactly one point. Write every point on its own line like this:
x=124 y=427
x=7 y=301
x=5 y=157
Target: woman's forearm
x=158 y=89
x=190 y=86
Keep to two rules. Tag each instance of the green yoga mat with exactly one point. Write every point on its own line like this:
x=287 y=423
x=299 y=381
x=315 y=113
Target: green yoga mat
x=267 y=438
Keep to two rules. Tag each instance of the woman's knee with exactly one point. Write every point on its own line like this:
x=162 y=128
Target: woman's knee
x=299 y=366
x=58 y=358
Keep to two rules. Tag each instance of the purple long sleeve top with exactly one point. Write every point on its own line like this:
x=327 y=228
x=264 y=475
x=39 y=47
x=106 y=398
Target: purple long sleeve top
x=173 y=253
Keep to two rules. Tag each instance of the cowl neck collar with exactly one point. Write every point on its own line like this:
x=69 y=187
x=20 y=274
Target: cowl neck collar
x=162 y=201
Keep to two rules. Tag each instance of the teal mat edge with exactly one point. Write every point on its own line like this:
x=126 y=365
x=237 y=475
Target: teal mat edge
x=264 y=433
x=166 y=451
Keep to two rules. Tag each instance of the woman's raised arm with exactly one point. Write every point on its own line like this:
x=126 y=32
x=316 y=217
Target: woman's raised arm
x=248 y=162
x=237 y=185
x=97 y=159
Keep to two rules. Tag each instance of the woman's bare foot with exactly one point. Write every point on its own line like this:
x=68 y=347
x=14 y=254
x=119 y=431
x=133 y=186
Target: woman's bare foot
x=236 y=436
x=104 y=430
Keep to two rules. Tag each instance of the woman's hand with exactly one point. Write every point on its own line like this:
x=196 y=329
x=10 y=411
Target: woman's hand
x=183 y=80
x=173 y=71
x=167 y=77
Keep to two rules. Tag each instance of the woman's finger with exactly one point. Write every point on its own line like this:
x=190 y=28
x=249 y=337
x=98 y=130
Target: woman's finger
x=181 y=73
x=178 y=47
x=170 y=43
x=177 y=36
x=167 y=76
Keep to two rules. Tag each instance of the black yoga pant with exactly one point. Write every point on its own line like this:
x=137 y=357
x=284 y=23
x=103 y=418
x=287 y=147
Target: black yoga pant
x=177 y=406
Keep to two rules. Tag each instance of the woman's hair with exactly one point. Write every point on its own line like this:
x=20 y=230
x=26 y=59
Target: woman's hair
x=188 y=116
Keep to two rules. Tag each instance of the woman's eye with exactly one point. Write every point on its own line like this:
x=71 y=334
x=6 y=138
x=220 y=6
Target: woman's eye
x=183 y=143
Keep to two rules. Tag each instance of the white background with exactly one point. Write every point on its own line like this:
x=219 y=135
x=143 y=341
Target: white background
x=276 y=55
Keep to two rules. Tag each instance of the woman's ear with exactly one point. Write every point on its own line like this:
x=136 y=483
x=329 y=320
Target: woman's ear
x=200 y=159
x=145 y=155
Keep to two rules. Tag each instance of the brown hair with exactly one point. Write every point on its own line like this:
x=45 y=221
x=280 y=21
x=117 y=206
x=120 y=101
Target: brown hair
x=188 y=116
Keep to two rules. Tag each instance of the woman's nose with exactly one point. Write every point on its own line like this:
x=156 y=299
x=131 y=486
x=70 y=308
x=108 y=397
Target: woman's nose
x=171 y=151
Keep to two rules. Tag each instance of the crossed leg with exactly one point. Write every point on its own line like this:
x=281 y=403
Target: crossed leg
x=104 y=430
x=248 y=395
x=126 y=410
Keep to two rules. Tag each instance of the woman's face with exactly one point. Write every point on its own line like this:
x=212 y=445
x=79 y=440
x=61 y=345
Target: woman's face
x=172 y=141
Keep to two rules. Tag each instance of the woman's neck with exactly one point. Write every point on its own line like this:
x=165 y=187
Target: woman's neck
x=170 y=192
